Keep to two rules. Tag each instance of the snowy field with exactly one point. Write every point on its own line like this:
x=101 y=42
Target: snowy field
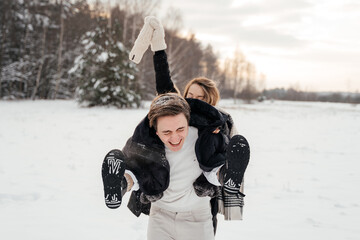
x=301 y=183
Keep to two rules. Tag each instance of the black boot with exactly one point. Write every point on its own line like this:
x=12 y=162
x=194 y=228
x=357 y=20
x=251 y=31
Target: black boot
x=237 y=158
x=115 y=184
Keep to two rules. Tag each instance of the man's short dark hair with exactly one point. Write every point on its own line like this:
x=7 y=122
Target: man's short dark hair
x=168 y=104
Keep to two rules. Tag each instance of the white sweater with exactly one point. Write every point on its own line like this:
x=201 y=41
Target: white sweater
x=184 y=170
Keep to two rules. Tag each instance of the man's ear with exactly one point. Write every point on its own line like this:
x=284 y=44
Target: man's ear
x=157 y=133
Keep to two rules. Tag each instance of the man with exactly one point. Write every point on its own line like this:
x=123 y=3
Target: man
x=164 y=158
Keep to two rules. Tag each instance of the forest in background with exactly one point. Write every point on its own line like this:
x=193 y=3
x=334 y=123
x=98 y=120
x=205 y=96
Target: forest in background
x=65 y=49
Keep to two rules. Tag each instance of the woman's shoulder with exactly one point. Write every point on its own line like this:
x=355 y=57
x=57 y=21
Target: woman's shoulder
x=222 y=111
x=232 y=130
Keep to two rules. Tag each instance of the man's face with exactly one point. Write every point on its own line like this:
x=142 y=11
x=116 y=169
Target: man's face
x=172 y=130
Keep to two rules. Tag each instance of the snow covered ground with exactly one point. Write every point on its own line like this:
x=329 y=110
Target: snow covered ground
x=301 y=182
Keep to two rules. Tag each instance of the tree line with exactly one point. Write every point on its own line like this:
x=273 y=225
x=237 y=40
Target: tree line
x=293 y=94
x=61 y=49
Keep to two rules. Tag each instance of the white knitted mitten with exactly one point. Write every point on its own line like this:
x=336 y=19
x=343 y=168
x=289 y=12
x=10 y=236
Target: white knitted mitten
x=142 y=42
x=158 y=37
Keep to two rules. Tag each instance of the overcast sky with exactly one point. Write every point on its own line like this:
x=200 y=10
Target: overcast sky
x=312 y=44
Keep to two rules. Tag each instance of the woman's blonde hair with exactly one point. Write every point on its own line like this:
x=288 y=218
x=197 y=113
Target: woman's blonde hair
x=211 y=92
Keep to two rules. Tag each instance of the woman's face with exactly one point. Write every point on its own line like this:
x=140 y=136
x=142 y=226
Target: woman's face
x=195 y=91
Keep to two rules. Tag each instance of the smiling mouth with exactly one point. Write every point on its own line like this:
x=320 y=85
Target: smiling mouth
x=175 y=144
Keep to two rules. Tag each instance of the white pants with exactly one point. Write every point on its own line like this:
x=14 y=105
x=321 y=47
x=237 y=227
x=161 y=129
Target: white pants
x=166 y=225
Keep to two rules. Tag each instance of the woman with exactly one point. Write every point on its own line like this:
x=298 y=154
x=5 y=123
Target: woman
x=200 y=88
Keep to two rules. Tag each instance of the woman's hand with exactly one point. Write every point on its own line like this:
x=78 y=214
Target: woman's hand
x=216 y=131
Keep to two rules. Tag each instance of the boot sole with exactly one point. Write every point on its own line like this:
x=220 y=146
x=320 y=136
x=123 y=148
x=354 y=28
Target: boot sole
x=113 y=169
x=237 y=159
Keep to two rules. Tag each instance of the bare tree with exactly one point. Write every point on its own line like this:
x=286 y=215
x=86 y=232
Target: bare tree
x=237 y=71
x=185 y=59
x=42 y=59
x=60 y=48
x=131 y=14
x=262 y=82
x=210 y=63
x=126 y=19
x=109 y=17
x=173 y=22
x=182 y=51
x=249 y=90
x=138 y=9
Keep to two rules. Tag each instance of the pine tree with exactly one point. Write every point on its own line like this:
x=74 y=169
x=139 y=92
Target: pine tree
x=105 y=75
